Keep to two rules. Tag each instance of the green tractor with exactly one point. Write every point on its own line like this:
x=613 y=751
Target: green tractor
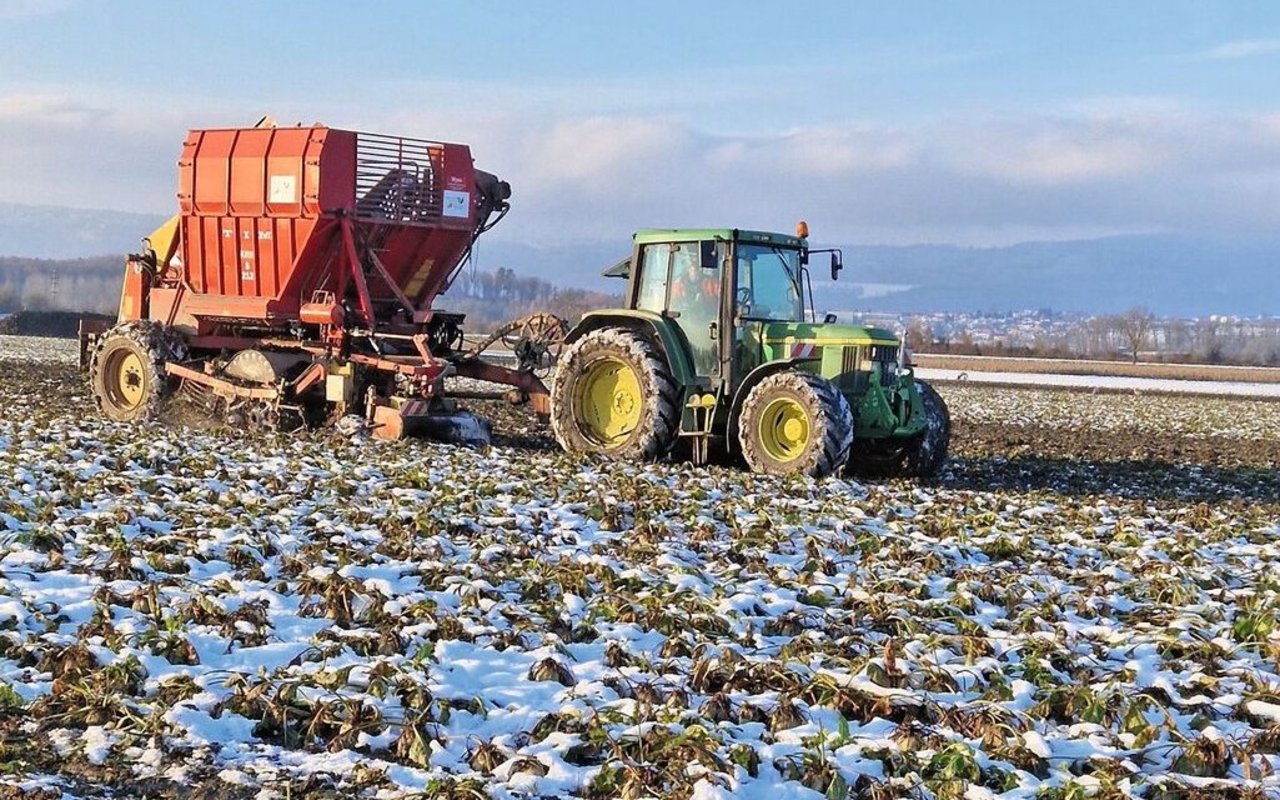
x=717 y=347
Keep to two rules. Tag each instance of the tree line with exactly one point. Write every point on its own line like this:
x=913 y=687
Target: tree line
x=491 y=297
x=92 y=285
x=1136 y=335
x=78 y=284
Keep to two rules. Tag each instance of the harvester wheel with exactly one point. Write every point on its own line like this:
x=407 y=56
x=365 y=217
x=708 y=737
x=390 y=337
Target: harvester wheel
x=795 y=423
x=926 y=453
x=614 y=394
x=126 y=372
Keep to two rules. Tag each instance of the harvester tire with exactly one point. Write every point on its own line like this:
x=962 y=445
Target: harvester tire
x=795 y=423
x=613 y=394
x=126 y=372
x=926 y=454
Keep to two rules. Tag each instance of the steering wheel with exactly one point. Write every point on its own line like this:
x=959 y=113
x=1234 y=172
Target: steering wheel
x=744 y=296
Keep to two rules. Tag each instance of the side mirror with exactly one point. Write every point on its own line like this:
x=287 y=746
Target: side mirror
x=804 y=257
x=836 y=266
x=829 y=318
x=707 y=255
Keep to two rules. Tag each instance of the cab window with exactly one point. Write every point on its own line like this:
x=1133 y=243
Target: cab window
x=653 y=278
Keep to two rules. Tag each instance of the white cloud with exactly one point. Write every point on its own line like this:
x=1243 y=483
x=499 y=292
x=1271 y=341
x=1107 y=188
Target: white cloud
x=1241 y=48
x=1051 y=151
x=48 y=109
x=989 y=180
x=16 y=9
x=586 y=150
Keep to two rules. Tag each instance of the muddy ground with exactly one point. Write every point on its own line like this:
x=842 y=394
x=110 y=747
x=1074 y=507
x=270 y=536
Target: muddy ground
x=1177 y=465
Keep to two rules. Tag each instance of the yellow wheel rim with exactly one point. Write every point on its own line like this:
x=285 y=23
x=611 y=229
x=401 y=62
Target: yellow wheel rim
x=126 y=379
x=784 y=429
x=609 y=402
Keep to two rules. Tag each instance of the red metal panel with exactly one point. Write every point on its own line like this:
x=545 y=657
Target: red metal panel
x=459 y=184
x=228 y=256
x=265 y=254
x=245 y=195
x=217 y=305
x=334 y=153
x=284 y=167
x=212 y=174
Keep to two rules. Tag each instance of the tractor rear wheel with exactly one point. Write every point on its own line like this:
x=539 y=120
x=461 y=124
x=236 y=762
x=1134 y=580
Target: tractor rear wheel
x=795 y=423
x=613 y=394
x=126 y=371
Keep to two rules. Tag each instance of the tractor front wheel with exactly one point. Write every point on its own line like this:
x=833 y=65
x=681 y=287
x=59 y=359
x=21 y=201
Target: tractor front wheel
x=918 y=457
x=613 y=394
x=795 y=423
x=927 y=452
x=126 y=372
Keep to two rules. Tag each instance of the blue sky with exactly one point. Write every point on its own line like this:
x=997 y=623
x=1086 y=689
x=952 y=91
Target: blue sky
x=903 y=122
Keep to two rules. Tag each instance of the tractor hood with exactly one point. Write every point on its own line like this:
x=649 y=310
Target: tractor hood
x=825 y=334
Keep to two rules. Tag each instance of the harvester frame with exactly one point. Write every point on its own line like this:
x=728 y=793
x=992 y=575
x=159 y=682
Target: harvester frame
x=298 y=283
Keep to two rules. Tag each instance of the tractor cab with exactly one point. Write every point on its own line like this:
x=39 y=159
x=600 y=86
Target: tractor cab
x=733 y=295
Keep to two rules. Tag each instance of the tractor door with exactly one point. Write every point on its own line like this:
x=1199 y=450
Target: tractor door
x=766 y=289
x=681 y=280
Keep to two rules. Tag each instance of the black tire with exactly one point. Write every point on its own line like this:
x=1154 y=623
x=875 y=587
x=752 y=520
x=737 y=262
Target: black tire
x=926 y=454
x=876 y=458
x=825 y=445
x=127 y=374
x=920 y=457
x=647 y=430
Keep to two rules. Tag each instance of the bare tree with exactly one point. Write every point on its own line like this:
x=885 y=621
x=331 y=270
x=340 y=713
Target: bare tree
x=1135 y=324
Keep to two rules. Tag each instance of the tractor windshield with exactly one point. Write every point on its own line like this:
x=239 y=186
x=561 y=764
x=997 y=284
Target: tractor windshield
x=769 y=283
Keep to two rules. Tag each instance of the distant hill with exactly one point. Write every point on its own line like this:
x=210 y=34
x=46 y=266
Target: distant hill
x=1172 y=275
x=55 y=232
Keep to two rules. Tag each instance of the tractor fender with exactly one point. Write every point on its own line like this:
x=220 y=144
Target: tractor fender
x=748 y=383
x=647 y=323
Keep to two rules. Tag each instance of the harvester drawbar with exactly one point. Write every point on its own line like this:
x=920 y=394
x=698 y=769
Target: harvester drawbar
x=297 y=285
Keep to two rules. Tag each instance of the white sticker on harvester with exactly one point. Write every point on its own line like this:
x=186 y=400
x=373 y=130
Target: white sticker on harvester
x=457 y=204
x=284 y=189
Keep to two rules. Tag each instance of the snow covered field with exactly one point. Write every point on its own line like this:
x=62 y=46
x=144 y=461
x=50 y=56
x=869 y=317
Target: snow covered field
x=1105 y=382
x=278 y=617
x=1193 y=417
x=39 y=348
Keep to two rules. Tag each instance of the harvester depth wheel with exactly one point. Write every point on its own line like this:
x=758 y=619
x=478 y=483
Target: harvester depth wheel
x=127 y=374
x=614 y=394
x=795 y=423
x=926 y=453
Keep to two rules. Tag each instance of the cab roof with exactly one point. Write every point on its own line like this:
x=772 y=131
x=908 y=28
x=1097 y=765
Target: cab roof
x=650 y=235
x=622 y=269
